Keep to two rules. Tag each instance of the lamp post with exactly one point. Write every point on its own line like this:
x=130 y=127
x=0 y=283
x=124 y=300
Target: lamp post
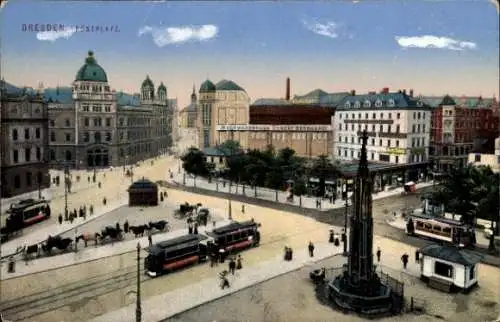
x=230 y=213
x=138 y=309
x=346 y=216
x=66 y=178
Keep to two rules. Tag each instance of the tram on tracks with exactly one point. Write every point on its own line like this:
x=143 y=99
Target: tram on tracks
x=24 y=213
x=442 y=229
x=169 y=255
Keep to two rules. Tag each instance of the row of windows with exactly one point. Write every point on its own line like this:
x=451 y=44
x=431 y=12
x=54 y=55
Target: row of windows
x=92 y=88
x=97 y=121
x=67 y=123
x=345 y=153
x=134 y=121
x=207 y=114
x=415 y=142
x=97 y=137
x=367 y=103
x=66 y=135
x=28 y=179
x=96 y=107
x=345 y=115
x=28 y=153
x=416 y=128
x=27 y=134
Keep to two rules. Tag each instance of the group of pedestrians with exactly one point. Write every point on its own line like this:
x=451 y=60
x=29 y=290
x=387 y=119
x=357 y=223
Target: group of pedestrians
x=72 y=215
x=235 y=263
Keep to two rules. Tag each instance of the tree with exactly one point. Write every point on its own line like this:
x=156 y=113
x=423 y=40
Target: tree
x=323 y=169
x=299 y=187
x=195 y=162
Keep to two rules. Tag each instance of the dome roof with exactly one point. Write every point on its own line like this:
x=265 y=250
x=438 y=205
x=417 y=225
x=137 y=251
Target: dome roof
x=148 y=82
x=228 y=85
x=162 y=88
x=207 y=86
x=448 y=100
x=91 y=71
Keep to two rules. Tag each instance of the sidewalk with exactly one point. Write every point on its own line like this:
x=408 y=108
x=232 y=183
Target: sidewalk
x=270 y=195
x=9 y=248
x=91 y=253
x=159 y=307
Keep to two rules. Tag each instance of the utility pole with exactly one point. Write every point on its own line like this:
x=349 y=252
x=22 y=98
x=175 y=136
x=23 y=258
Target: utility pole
x=138 y=309
x=66 y=178
x=346 y=216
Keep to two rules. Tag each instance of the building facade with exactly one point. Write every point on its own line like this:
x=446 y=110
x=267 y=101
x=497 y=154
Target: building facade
x=188 y=115
x=398 y=127
x=455 y=128
x=94 y=126
x=23 y=141
x=224 y=103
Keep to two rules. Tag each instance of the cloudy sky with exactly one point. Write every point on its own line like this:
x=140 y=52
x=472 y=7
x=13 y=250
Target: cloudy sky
x=433 y=47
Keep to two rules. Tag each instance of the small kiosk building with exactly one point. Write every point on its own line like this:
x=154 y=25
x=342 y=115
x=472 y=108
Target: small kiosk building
x=143 y=193
x=448 y=268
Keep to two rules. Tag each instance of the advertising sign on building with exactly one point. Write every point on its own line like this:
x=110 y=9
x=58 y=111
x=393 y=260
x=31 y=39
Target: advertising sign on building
x=275 y=128
x=397 y=151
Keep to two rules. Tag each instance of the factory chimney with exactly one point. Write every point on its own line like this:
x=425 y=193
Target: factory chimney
x=287 y=94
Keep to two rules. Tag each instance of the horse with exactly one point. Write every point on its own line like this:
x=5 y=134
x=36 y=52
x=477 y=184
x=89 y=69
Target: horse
x=86 y=237
x=158 y=225
x=137 y=230
x=56 y=242
x=31 y=249
x=111 y=232
x=64 y=243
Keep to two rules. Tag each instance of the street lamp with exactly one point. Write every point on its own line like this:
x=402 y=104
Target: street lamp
x=346 y=210
x=138 y=309
x=66 y=178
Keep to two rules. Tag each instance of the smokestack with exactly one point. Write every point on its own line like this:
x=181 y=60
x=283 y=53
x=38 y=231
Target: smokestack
x=287 y=94
x=411 y=92
x=385 y=90
x=353 y=92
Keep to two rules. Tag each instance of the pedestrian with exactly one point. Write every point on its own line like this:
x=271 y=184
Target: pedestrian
x=242 y=208
x=379 y=253
x=60 y=219
x=332 y=236
x=190 y=228
x=311 y=249
x=232 y=266
x=285 y=257
x=222 y=255
x=88 y=179
x=213 y=224
x=195 y=228
x=224 y=281
x=404 y=259
x=104 y=201
x=75 y=213
x=126 y=226
x=238 y=263
x=91 y=209
x=150 y=238
x=417 y=256
x=71 y=218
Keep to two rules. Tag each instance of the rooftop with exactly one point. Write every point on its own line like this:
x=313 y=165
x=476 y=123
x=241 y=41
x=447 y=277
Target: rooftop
x=452 y=254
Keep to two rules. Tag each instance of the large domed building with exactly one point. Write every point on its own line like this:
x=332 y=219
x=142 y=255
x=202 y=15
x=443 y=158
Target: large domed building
x=92 y=125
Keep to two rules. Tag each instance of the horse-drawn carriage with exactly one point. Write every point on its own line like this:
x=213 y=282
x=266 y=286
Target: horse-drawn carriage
x=186 y=209
x=62 y=244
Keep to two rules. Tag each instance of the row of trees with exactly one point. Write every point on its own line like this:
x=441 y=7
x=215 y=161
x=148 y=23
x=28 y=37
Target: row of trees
x=472 y=192
x=268 y=168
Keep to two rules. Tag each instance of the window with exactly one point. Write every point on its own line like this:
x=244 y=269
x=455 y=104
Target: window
x=389 y=127
x=413 y=128
x=108 y=121
x=373 y=141
x=108 y=136
x=37 y=133
x=68 y=137
x=15 y=156
x=52 y=123
x=38 y=154
x=418 y=128
x=67 y=122
x=397 y=159
x=15 y=135
x=398 y=116
x=381 y=115
x=121 y=136
x=86 y=121
x=52 y=155
x=443 y=269
x=390 y=115
x=107 y=108
x=389 y=143
x=68 y=155
x=97 y=137
x=397 y=143
x=423 y=127
x=391 y=103
x=17 y=182
x=378 y=103
x=27 y=154
x=367 y=104
x=397 y=128
x=357 y=105
x=374 y=116
x=28 y=179
x=347 y=105
x=384 y=157
x=86 y=137
x=498 y=159
x=85 y=107
x=477 y=158
x=26 y=134
x=472 y=273
x=380 y=142
x=373 y=156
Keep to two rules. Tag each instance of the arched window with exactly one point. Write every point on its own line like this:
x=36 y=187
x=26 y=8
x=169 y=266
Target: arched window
x=391 y=103
x=378 y=103
x=357 y=104
x=367 y=103
x=347 y=104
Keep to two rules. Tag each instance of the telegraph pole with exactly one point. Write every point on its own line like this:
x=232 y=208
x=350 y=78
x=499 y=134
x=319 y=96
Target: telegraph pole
x=138 y=309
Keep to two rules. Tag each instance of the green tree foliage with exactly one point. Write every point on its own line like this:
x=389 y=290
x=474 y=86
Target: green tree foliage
x=472 y=192
x=195 y=163
x=323 y=169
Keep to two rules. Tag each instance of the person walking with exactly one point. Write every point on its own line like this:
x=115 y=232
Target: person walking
x=224 y=281
x=404 y=259
x=190 y=228
x=243 y=208
x=331 y=239
x=126 y=227
x=417 y=256
x=232 y=265
x=150 y=238
x=310 y=247
x=238 y=262
x=379 y=253
x=195 y=228
x=60 y=218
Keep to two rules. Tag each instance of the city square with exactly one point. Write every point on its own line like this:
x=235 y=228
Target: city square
x=201 y=163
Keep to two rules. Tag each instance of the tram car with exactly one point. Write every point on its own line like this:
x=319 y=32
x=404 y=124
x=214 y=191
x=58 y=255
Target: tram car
x=235 y=236
x=29 y=211
x=443 y=229
x=175 y=253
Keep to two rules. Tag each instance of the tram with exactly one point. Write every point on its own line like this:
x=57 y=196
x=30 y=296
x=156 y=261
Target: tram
x=29 y=211
x=438 y=228
x=236 y=236
x=176 y=253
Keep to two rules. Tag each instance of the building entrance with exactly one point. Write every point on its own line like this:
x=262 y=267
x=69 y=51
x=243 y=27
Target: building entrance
x=97 y=157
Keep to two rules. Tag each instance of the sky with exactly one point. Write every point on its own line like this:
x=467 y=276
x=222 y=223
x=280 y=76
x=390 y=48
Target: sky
x=435 y=48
